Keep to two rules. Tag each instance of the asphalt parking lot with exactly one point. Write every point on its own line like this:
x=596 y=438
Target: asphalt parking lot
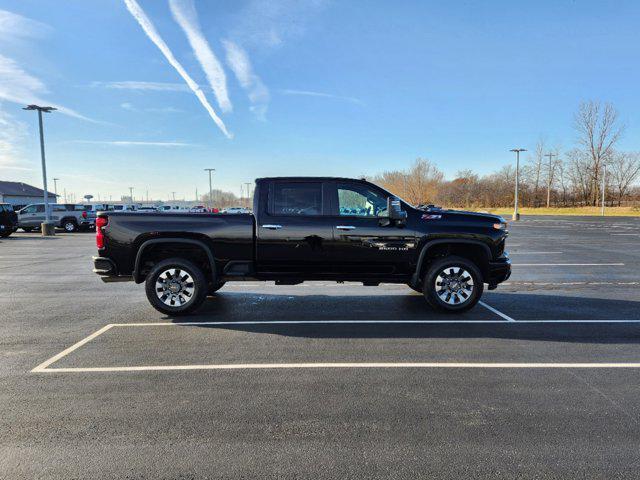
x=324 y=380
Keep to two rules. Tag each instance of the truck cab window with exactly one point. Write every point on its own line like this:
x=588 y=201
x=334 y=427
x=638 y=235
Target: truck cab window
x=361 y=202
x=297 y=199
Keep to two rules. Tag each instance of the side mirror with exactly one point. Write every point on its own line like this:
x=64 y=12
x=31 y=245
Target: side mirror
x=395 y=212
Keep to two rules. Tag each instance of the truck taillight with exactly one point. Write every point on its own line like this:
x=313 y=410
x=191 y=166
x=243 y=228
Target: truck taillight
x=101 y=222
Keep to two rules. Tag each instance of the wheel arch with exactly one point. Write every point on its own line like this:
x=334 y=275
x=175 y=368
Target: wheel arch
x=474 y=250
x=69 y=218
x=154 y=245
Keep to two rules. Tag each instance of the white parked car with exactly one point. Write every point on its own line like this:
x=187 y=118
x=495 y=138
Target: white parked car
x=236 y=210
x=198 y=209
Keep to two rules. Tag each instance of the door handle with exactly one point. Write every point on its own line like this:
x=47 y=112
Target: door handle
x=272 y=227
x=345 y=227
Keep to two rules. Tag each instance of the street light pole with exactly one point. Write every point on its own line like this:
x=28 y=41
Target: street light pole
x=55 y=188
x=248 y=184
x=131 y=194
x=516 y=215
x=210 y=188
x=47 y=227
x=550 y=155
x=604 y=185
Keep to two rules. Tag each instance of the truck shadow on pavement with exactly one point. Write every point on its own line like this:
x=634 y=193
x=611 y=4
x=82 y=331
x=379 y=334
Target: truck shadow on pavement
x=250 y=307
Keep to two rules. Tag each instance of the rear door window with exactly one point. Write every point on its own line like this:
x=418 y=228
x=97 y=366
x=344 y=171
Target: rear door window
x=296 y=199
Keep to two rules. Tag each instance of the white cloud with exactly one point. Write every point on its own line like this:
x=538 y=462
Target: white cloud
x=18 y=86
x=135 y=85
x=14 y=26
x=155 y=37
x=269 y=24
x=132 y=108
x=309 y=93
x=12 y=134
x=184 y=13
x=132 y=143
x=239 y=62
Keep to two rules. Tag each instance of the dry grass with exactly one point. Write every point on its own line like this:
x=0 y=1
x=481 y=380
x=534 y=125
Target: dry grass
x=586 y=211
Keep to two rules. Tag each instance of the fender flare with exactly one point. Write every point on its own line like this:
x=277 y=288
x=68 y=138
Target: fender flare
x=416 y=277
x=154 y=241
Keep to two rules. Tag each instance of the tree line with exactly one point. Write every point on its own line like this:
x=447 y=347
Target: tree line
x=548 y=175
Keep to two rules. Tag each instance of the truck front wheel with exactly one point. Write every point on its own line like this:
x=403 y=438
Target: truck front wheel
x=176 y=286
x=453 y=284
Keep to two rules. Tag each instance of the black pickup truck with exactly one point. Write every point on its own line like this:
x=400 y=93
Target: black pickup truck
x=306 y=228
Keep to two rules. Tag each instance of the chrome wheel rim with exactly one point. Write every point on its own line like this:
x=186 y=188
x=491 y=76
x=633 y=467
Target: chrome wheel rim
x=175 y=287
x=454 y=285
x=69 y=226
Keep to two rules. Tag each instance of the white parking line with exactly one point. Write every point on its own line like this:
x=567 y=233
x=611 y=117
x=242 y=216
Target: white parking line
x=568 y=264
x=265 y=366
x=497 y=312
x=43 y=367
x=73 y=347
x=534 y=253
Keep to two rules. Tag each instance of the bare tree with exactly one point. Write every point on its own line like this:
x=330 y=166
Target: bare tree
x=625 y=169
x=533 y=170
x=419 y=184
x=598 y=132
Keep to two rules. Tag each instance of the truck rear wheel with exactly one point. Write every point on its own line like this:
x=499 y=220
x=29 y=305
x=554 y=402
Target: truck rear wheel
x=453 y=284
x=176 y=286
x=69 y=225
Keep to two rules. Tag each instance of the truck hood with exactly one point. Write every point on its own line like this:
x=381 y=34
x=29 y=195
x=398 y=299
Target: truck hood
x=462 y=215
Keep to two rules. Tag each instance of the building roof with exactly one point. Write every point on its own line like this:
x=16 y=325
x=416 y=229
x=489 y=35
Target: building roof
x=19 y=189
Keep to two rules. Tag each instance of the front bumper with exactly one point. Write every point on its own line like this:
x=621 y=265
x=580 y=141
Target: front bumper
x=499 y=271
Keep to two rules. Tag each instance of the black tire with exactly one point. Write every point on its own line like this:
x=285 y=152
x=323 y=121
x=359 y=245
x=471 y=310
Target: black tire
x=69 y=225
x=214 y=287
x=5 y=233
x=27 y=229
x=455 y=270
x=193 y=289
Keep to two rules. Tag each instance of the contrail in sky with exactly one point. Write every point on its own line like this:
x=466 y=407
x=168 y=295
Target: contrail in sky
x=239 y=62
x=154 y=36
x=184 y=12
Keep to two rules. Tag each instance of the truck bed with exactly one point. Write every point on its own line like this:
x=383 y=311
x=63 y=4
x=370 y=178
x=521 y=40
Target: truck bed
x=230 y=236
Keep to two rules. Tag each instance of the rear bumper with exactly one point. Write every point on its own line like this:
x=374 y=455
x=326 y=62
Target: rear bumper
x=499 y=271
x=107 y=270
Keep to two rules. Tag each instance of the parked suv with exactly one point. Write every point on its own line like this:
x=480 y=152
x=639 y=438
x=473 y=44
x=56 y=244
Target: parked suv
x=8 y=220
x=69 y=216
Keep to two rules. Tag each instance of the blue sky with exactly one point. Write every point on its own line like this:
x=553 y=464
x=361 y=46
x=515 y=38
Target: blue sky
x=306 y=87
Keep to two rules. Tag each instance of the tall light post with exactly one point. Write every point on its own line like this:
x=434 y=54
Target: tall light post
x=55 y=188
x=516 y=215
x=131 y=194
x=47 y=227
x=604 y=185
x=248 y=184
x=550 y=155
x=210 y=188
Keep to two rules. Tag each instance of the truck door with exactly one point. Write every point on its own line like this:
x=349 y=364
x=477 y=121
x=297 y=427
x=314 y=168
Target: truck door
x=32 y=216
x=365 y=241
x=294 y=228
